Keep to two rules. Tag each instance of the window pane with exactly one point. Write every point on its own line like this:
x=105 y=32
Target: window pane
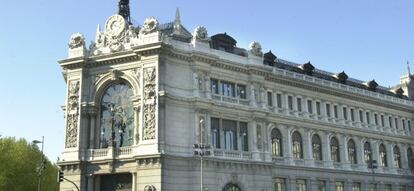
x=299 y=104
x=230 y=134
x=280 y=184
x=214 y=86
x=321 y=185
x=244 y=136
x=117 y=116
x=269 y=99
x=276 y=142
x=227 y=89
x=345 y=113
x=310 y=106
x=339 y=186
x=328 y=110
x=290 y=102
x=300 y=185
x=279 y=100
x=215 y=133
x=241 y=91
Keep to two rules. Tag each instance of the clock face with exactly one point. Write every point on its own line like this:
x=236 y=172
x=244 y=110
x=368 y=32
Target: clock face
x=115 y=25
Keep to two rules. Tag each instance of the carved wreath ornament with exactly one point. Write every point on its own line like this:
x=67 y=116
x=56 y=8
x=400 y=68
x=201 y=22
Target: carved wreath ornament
x=256 y=49
x=150 y=25
x=76 y=40
x=201 y=33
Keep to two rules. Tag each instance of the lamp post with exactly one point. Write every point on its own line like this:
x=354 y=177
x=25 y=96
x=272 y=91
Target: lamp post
x=201 y=150
x=41 y=166
x=373 y=165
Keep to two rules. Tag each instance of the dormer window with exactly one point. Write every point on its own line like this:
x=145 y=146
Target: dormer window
x=223 y=42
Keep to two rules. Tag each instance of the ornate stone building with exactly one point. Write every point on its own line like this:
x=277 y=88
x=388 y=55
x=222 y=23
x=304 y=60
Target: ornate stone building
x=140 y=97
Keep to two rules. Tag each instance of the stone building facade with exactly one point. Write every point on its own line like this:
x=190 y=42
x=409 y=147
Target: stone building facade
x=139 y=98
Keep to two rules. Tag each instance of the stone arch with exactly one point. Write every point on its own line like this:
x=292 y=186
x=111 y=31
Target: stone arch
x=111 y=78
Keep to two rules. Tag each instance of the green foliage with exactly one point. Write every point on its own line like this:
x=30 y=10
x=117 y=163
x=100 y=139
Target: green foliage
x=19 y=161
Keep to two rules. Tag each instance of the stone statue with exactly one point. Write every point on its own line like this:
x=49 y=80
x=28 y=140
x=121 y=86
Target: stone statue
x=256 y=49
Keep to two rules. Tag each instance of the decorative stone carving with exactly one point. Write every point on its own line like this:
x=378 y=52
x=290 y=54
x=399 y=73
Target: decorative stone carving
x=201 y=33
x=149 y=188
x=115 y=74
x=150 y=25
x=149 y=103
x=256 y=49
x=76 y=40
x=72 y=115
x=118 y=36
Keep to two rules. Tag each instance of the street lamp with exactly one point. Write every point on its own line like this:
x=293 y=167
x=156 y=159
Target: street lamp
x=201 y=150
x=41 y=166
x=373 y=165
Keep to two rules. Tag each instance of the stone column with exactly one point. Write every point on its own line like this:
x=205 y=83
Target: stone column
x=390 y=156
x=295 y=105
x=323 y=111
x=360 y=153
x=292 y=183
x=252 y=138
x=375 y=152
x=403 y=154
x=348 y=185
x=90 y=179
x=307 y=148
x=134 y=181
x=341 y=119
x=208 y=86
x=343 y=149
x=92 y=129
x=358 y=119
x=285 y=103
x=326 y=150
x=287 y=143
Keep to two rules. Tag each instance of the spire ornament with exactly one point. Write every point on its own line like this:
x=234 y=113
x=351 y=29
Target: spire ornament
x=123 y=10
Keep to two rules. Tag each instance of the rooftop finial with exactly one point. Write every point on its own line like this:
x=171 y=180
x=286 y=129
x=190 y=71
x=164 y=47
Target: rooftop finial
x=408 y=68
x=177 y=21
x=123 y=10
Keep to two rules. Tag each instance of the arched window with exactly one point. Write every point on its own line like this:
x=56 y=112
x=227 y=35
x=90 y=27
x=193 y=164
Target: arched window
x=297 y=145
x=335 y=150
x=276 y=137
x=367 y=153
x=117 y=116
x=383 y=156
x=397 y=157
x=352 y=156
x=231 y=187
x=410 y=157
x=317 y=147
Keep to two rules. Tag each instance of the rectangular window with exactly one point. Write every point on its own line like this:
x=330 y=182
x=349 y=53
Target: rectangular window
x=396 y=123
x=328 y=110
x=214 y=86
x=290 y=102
x=376 y=119
x=361 y=117
x=241 y=91
x=300 y=185
x=279 y=100
x=227 y=89
x=390 y=121
x=344 y=110
x=382 y=121
x=244 y=136
x=387 y=187
x=403 y=124
x=368 y=119
x=269 y=99
x=339 y=186
x=280 y=184
x=215 y=133
x=318 y=108
x=310 y=106
x=356 y=186
x=352 y=115
x=321 y=185
x=372 y=187
x=230 y=134
x=299 y=104
x=409 y=124
x=336 y=111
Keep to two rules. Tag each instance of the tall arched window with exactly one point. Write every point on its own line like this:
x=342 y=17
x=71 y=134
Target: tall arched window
x=383 y=156
x=117 y=116
x=397 y=157
x=410 y=157
x=352 y=156
x=276 y=137
x=367 y=153
x=316 y=147
x=335 y=150
x=297 y=145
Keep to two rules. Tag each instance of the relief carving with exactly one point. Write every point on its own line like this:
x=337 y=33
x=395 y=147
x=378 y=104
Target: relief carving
x=149 y=103
x=72 y=115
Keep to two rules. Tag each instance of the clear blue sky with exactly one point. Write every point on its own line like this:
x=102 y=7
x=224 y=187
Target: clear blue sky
x=369 y=39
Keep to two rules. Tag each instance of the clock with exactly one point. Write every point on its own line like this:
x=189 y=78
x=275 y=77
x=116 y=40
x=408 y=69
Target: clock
x=115 y=25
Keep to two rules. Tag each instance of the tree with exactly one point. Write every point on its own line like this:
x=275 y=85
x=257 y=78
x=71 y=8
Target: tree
x=19 y=161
